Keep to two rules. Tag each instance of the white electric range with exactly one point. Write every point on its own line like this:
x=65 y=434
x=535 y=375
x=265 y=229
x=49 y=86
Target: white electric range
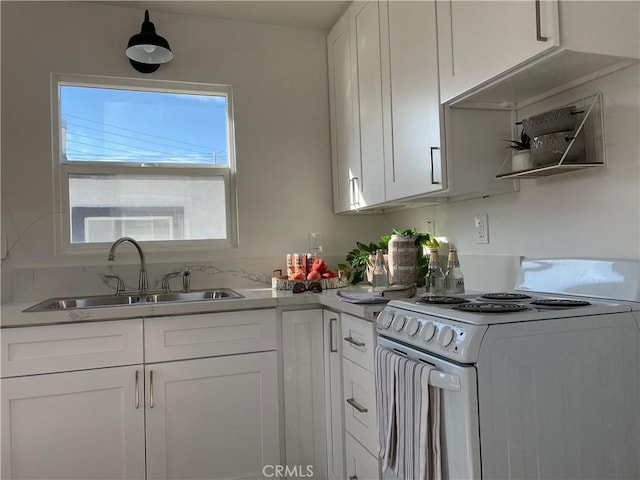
x=539 y=382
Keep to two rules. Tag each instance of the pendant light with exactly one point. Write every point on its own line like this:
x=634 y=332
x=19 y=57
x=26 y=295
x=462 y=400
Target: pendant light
x=147 y=50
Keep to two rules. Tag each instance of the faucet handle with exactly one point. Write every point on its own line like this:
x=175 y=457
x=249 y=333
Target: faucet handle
x=186 y=280
x=165 y=280
x=120 y=285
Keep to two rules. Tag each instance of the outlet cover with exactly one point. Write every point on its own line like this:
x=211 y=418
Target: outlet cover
x=482 y=228
x=315 y=243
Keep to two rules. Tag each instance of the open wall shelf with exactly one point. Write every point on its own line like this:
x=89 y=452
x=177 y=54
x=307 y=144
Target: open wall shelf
x=590 y=129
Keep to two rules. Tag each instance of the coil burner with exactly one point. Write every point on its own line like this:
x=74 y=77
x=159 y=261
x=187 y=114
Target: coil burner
x=560 y=303
x=505 y=296
x=491 y=307
x=442 y=300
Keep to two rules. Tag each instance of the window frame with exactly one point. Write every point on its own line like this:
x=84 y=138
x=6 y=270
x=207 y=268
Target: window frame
x=61 y=170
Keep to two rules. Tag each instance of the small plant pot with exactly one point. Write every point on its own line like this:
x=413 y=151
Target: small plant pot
x=521 y=160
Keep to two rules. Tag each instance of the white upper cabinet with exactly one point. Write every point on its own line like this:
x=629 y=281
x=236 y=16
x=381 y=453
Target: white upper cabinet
x=411 y=103
x=353 y=49
x=345 y=149
x=367 y=88
x=511 y=51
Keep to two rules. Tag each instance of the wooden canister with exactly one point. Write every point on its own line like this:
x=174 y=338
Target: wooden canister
x=403 y=260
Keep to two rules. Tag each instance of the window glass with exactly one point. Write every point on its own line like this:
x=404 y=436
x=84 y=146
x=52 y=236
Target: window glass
x=117 y=125
x=151 y=160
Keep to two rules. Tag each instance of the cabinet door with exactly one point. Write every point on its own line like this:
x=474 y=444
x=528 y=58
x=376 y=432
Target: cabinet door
x=364 y=28
x=333 y=395
x=479 y=40
x=360 y=405
x=76 y=425
x=212 y=417
x=304 y=395
x=345 y=141
x=412 y=105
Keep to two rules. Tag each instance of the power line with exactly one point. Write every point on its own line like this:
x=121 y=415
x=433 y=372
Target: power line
x=130 y=130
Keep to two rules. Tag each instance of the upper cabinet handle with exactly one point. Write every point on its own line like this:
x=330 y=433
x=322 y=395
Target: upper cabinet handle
x=539 y=36
x=332 y=348
x=433 y=180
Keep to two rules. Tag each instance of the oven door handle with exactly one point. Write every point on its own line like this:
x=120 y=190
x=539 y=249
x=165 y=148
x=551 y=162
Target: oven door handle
x=437 y=378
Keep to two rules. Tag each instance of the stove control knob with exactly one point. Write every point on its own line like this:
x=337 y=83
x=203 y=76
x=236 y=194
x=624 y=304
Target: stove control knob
x=446 y=336
x=428 y=331
x=412 y=327
x=398 y=322
x=384 y=319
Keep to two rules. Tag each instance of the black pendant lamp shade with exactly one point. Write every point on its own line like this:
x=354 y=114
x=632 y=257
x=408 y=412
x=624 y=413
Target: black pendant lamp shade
x=147 y=50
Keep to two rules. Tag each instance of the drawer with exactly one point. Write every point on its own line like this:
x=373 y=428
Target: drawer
x=359 y=340
x=361 y=465
x=62 y=348
x=209 y=335
x=360 y=405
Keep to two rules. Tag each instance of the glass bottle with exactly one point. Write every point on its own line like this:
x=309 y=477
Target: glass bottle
x=435 y=280
x=380 y=276
x=454 y=278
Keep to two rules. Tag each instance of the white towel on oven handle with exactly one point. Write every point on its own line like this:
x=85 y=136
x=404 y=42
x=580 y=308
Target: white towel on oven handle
x=409 y=448
x=385 y=375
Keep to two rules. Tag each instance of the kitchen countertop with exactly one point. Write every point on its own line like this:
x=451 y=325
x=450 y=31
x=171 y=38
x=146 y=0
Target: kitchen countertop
x=14 y=316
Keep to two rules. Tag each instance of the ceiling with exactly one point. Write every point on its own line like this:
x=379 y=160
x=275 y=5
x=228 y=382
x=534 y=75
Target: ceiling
x=314 y=14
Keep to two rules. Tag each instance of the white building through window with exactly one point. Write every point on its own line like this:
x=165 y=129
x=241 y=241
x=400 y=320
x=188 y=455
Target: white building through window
x=151 y=160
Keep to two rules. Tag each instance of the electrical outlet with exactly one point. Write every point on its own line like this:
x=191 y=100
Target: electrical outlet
x=482 y=228
x=315 y=243
x=431 y=228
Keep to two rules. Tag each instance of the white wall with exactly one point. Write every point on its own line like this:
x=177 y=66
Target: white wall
x=590 y=213
x=279 y=77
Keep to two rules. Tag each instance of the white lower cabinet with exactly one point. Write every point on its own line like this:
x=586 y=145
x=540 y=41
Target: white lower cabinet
x=361 y=465
x=314 y=427
x=214 y=418
x=75 y=425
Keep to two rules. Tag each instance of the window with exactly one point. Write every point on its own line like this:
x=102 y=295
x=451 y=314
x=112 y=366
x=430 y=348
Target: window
x=148 y=159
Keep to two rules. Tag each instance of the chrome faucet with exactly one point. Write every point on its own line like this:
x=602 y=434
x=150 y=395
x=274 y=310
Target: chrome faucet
x=143 y=283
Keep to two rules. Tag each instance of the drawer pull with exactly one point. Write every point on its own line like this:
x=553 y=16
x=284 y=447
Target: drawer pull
x=150 y=388
x=137 y=391
x=353 y=477
x=354 y=342
x=356 y=405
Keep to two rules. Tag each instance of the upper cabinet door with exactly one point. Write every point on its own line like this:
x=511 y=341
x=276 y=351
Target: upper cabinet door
x=412 y=105
x=364 y=26
x=345 y=140
x=479 y=40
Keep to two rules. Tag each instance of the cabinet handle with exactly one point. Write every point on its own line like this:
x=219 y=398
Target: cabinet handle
x=150 y=388
x=539 y=36
x=332 y=322
x=137 y=390
x=356 y=405
x=354 y=342
x=433 y=180
x=353 y=477
x=356 y=192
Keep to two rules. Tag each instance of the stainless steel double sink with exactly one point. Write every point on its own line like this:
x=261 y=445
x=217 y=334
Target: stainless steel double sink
x=71 y=303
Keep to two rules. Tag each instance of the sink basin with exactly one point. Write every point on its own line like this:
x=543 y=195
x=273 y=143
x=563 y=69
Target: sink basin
x=53 y=304
x=218 y=294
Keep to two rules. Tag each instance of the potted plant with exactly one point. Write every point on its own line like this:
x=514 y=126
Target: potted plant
x=521 y=158
x=361 y=257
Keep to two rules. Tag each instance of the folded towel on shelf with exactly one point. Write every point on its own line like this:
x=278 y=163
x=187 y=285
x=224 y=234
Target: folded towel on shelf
x=408 y=413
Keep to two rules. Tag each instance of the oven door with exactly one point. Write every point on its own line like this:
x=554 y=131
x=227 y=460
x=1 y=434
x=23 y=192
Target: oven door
x=459 y=428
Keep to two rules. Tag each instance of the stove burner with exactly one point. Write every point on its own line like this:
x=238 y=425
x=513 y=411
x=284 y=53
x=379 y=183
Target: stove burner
x=442 y=300
x=505 y=296
x=491 y=307
x=560 y=303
